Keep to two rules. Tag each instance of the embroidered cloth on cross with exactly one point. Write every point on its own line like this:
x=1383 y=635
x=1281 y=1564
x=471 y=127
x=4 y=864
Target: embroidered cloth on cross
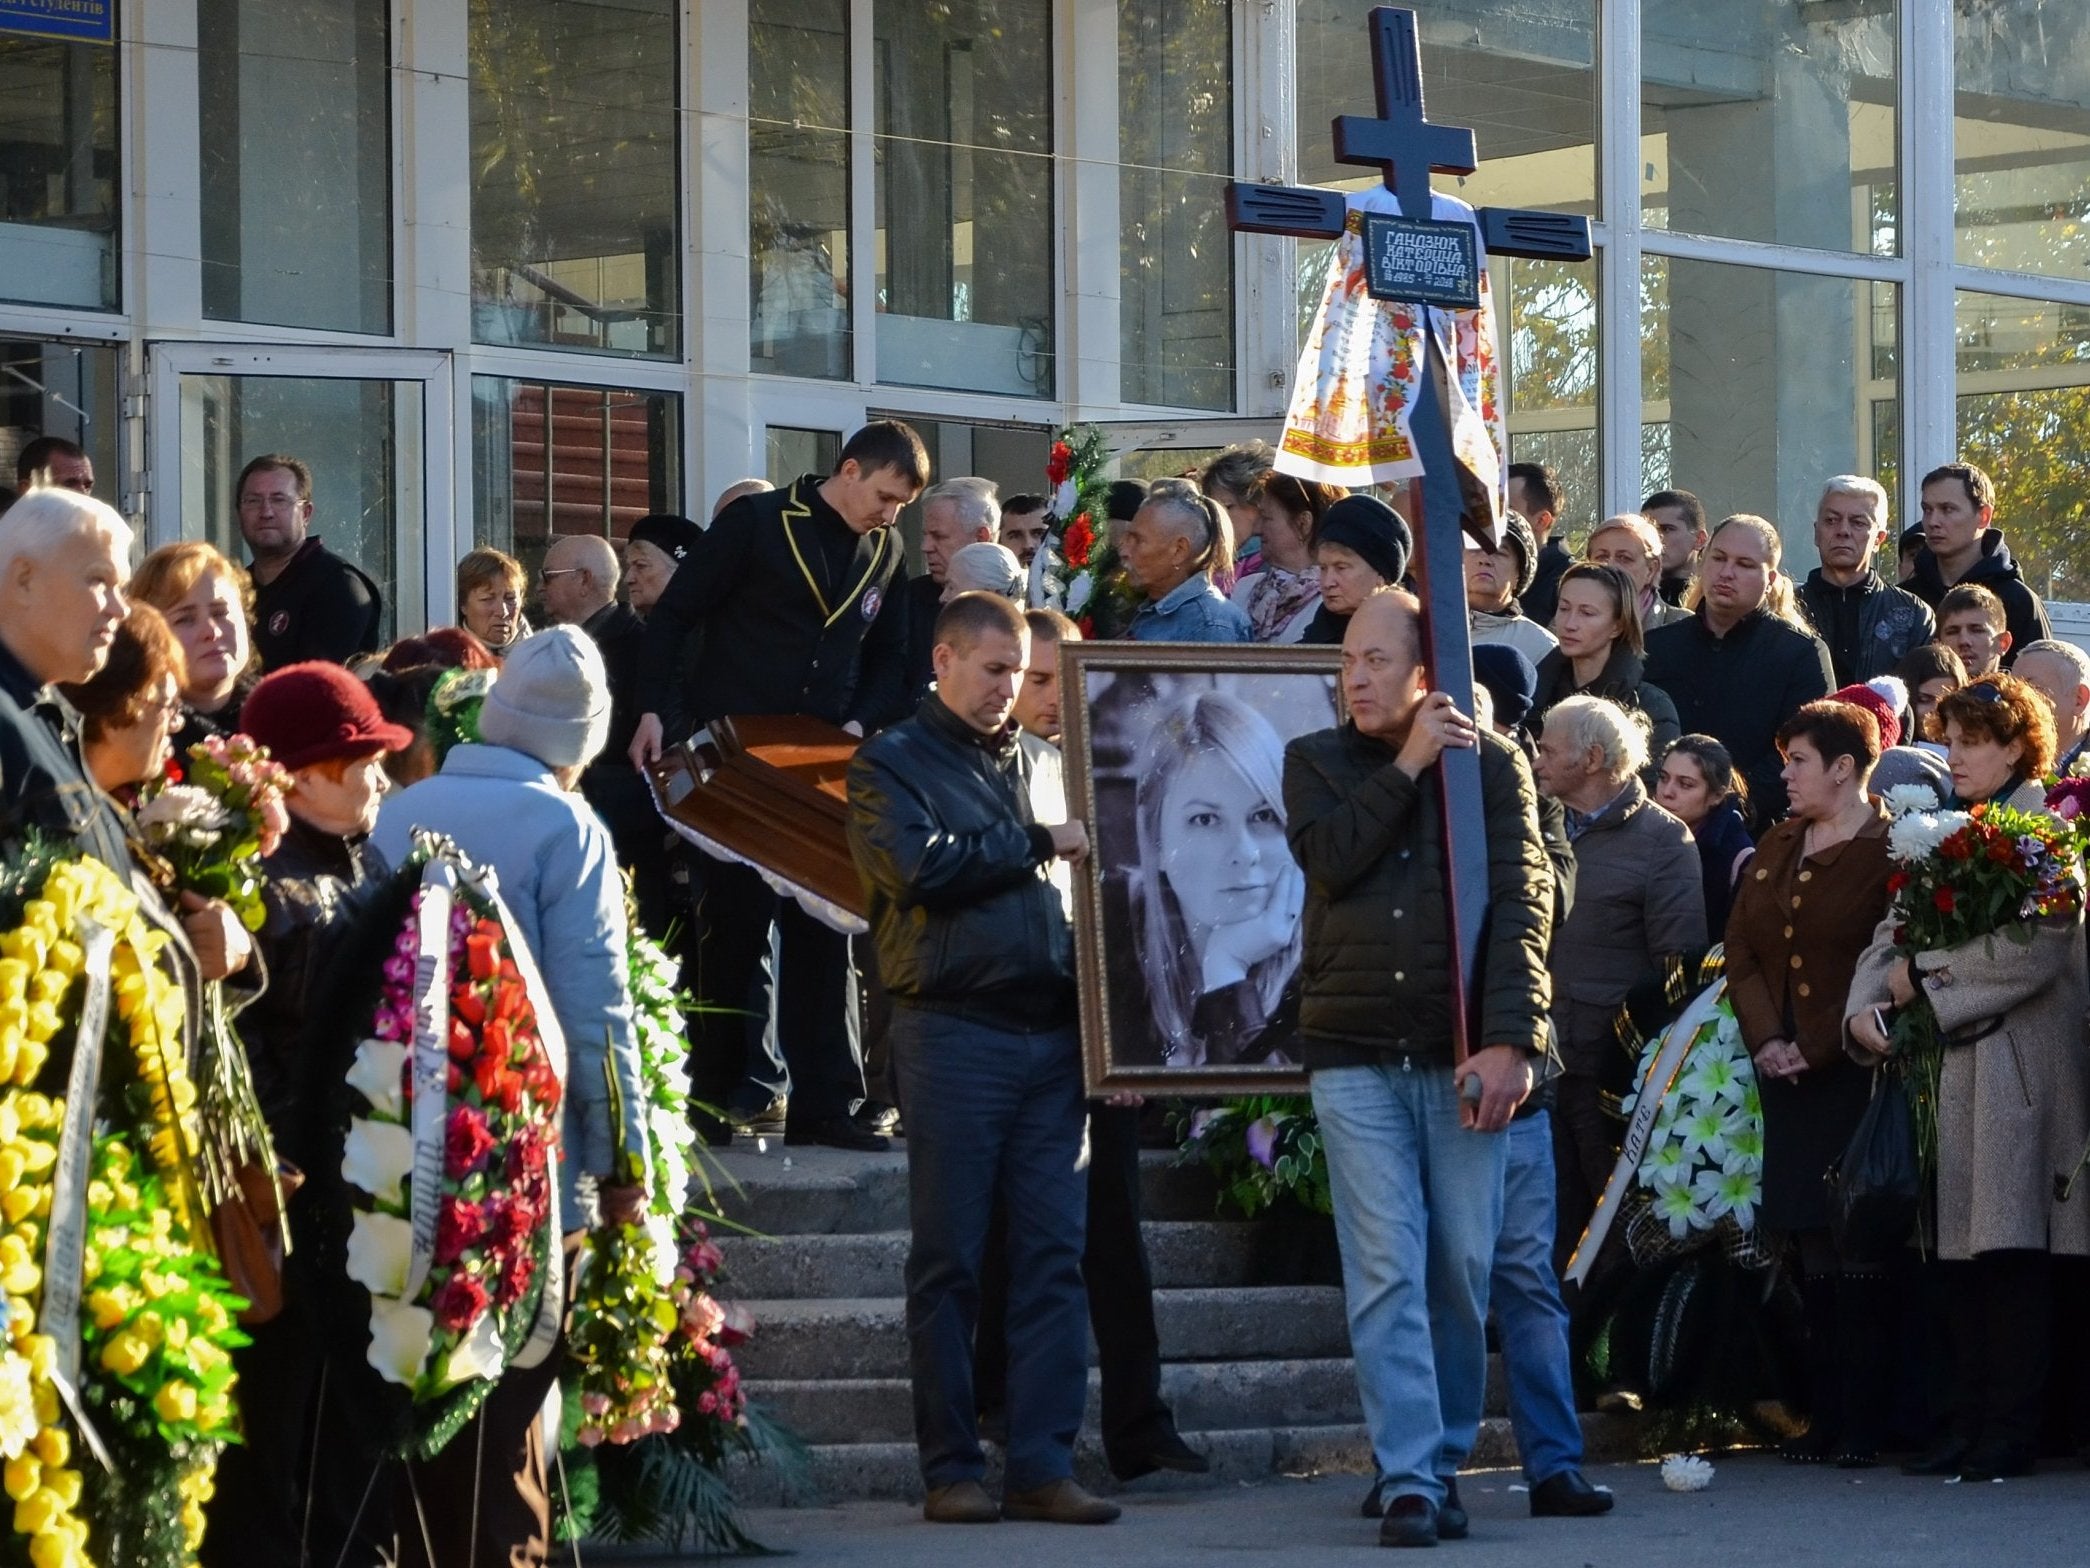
x=1353 y=395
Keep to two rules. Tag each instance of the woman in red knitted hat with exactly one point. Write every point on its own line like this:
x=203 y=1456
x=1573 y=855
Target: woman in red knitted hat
x=322 y=724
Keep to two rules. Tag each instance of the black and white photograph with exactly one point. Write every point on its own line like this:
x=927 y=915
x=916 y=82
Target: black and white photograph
x=1187 y=921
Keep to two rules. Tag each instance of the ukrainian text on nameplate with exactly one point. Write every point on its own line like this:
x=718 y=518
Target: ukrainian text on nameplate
x=90 y=21
x=1421 y=261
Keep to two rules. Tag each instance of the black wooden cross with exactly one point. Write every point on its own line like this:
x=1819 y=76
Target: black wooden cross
x=1407 y=148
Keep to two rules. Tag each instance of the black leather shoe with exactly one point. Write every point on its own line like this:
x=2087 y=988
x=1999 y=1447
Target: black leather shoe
x=1452 y=1523
x=2001 y=1463
x=1409 y=1521
x=1167 y=1453
x=1945 y=1459
x=1374 y=1505
x=837 y=1132
x=1568 y=1496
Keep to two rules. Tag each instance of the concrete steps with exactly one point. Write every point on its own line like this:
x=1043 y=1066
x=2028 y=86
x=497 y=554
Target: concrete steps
x=1258 y=1374
x=824 y=1266
x=866 y=1337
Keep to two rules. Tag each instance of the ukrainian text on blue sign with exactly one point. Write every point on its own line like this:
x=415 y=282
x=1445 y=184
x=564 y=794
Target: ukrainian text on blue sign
x=1424 y=261
x=92 y=21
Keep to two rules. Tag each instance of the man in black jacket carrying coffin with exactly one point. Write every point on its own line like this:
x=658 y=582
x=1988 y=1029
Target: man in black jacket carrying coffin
x=977 y=954
x=791 y=594
x=1415 y=1168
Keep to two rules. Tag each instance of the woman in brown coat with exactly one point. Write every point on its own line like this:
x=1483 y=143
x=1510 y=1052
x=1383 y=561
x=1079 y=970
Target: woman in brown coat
x=2013 y=1104
x=1803 y=915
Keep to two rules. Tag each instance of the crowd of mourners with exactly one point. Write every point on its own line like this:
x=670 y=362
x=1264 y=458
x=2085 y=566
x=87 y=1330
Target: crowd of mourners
x=1680 y=745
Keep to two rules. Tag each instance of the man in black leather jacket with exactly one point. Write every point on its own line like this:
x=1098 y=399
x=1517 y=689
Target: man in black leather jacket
x=975 y=949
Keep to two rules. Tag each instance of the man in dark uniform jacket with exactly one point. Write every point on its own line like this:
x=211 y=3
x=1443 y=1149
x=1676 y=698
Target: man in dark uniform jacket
x=62 y=566
x=308 y=602
x=793 y=595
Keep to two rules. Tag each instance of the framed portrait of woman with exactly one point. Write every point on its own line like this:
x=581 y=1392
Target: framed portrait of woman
x=1187 y=910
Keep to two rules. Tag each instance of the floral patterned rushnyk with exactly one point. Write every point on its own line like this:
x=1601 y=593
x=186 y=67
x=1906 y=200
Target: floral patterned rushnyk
x=1352 y=398
x=448 y=1156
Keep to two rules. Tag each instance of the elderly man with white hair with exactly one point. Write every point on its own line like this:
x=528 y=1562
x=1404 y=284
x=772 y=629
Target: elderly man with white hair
x=1868 y=624
x=578 y=585
x=956 y=513
x=1639 y=897
x=2060 y=672
x=63 y=560
x=1169 y=550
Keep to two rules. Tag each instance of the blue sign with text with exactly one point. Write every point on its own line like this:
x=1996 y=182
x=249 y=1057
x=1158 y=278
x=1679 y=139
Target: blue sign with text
x=89 y=21
x=1421 y=261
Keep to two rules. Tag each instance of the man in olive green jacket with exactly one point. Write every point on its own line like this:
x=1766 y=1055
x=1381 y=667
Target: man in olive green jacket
x=1415 y=1169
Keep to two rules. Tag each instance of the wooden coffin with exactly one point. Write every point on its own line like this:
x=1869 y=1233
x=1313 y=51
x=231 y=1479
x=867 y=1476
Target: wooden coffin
x=772 y=789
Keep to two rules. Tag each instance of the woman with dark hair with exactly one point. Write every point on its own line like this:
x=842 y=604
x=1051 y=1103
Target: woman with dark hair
x=2013 y=1104
x=1216 y=894
x=1282 y=593
x=490 y=589
x=1930 y=671
x=1804 y=914
x=208 y=602
x=1601 y=652
x=1700 y=786
x=129 y=709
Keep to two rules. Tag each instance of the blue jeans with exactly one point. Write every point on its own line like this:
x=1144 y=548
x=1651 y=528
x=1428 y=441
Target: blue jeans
x=1418 y=1200
x=994 y=1116
x=1528 y=1312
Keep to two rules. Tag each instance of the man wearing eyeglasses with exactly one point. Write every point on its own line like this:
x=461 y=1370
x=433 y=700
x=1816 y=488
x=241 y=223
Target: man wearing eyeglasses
x=309 y=603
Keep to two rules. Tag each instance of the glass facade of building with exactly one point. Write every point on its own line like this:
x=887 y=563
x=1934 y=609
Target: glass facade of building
x=508 y=269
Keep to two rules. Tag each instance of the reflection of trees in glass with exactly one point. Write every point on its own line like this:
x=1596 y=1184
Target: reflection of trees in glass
x=2023 y=191
x=798 y=179
x=1553 y=335
x=574 y=197
x=1176 y=257
x=1654 y=330
x=2034 y=441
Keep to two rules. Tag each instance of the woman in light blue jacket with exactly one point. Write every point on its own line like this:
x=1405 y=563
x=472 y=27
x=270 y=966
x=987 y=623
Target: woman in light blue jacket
x=509 y=803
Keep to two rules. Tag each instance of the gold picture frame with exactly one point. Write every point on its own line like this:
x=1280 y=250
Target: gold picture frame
x=1186 y=911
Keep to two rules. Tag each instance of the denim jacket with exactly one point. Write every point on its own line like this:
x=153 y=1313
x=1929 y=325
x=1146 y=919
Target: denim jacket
x=1192 y=611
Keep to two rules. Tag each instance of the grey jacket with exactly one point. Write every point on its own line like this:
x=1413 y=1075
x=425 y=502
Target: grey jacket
x=1639 y=896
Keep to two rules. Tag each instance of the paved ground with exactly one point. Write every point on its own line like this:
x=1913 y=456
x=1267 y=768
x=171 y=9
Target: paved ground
x=1758 y=1512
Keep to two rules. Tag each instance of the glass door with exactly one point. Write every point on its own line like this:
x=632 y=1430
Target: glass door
x=373 y=425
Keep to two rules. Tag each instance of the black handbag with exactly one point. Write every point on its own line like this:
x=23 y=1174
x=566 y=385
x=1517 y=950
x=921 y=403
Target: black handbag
x=1876 y=1187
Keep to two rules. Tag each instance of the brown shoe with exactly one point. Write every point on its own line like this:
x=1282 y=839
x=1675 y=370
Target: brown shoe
x=1059 y=1502
x=962 y=1502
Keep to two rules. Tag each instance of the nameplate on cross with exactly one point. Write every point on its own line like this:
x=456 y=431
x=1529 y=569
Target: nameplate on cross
x=1419 y=262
